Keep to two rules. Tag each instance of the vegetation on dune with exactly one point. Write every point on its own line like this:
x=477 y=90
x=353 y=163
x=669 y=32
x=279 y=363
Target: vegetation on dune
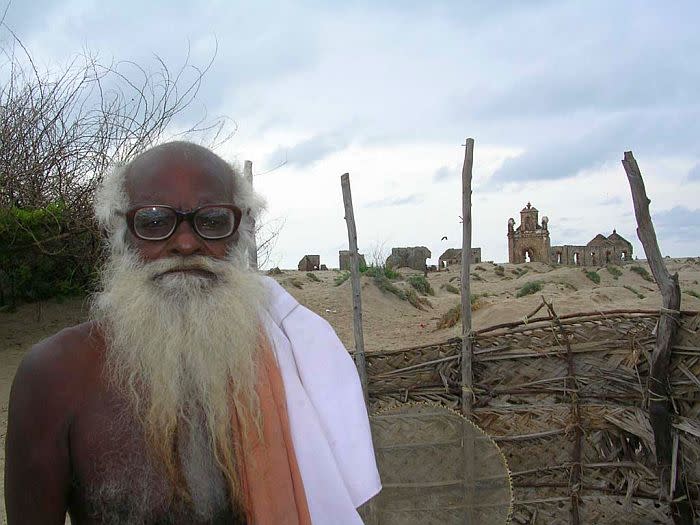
x=567 y=284
x=296 y=283
x=642 y=272
x=480 y=268
x=341 y=278
x=593 y=276
x=385 y=285
x=416 y=300
x=635 y=292
x=692 y=293
x=385 y=271
x=452 y=289
x=454 y=314
x=449 y=318
x=614 y=270
x=530 y=288
x=476 y=276
x=519 y=272
x=312 y=277
x=421 y=284
x=499 y=271
x=275 y=271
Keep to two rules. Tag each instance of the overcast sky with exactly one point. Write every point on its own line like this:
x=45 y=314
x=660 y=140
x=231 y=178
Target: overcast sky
x=552 y=92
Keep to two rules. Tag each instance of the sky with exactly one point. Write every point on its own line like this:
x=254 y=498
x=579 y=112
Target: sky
x=552 y=92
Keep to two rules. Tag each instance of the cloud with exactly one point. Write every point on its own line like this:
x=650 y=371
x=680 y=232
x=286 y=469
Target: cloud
x=553 y=161
x=602 y=141
x=443 y=173
x=694 y=174
x=562 y=236
x=308 y=151
x=678 y=224
x=615 y=200
x=400 y=201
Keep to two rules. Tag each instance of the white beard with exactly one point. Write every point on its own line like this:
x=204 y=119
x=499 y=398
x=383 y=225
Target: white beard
x=181 y=347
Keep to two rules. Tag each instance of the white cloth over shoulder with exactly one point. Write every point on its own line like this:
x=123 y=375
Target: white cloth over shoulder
x=327 y=415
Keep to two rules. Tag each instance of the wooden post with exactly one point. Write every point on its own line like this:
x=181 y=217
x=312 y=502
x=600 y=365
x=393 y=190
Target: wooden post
x=659 y=385
x=467 y=392
x=466 y=358
x=253 y=251
x=355 y=279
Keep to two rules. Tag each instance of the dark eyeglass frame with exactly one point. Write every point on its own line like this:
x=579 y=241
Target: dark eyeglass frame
x=186 y=216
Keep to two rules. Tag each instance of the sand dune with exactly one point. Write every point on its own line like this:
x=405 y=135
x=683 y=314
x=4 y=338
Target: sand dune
x=389 y=322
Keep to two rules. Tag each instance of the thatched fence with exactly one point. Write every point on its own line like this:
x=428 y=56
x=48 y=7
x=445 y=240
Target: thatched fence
x=566 y=399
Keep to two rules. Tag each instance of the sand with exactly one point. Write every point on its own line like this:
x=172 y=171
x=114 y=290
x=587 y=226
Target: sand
x=388 y=321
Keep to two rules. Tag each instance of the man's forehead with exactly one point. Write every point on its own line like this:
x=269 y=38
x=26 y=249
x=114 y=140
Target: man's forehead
x=181 y=165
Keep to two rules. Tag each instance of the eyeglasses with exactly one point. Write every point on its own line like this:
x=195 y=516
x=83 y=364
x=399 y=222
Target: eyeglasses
x=158 y=222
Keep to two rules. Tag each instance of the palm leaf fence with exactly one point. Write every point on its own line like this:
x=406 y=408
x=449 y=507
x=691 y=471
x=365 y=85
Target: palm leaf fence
x=566 y=399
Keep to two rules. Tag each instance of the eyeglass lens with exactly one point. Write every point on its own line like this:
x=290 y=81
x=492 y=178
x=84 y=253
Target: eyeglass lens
x=156 y=223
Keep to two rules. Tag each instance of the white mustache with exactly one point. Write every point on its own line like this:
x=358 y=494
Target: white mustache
x=160 y=267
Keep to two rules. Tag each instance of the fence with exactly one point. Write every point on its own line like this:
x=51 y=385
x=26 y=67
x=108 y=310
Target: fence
x=566 y=399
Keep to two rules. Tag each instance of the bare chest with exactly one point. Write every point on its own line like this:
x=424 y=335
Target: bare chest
x=115 y=481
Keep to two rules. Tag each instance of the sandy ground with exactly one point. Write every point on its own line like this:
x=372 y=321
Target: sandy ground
x=388 y=321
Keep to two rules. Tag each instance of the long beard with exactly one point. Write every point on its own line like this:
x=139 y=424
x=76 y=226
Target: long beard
x=182 y=348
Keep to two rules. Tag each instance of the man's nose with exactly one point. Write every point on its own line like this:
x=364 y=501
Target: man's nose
x=185 y=241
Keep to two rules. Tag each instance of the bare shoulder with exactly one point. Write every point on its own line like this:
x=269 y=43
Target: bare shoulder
x=49 y=386
x=57 y=369
x=74 y=343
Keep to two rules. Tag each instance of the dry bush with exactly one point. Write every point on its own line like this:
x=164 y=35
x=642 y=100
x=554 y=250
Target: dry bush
x=59 y=133
x=454 y=314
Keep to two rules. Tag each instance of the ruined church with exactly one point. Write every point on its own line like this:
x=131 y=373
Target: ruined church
x=530 y=242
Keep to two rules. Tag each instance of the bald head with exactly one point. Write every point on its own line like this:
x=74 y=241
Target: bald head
x=178 y=163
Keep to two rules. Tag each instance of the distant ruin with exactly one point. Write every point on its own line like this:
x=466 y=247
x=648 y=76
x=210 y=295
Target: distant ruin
x=412 y=257
x=529 y=242
x=454 y=256
x=309 y=263
x=344 y=256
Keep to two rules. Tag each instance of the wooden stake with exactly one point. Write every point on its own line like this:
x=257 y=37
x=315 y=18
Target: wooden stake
x=659 y=387
x=355 y=279
x=466 y=358
x=467 y=379
x=253 y=253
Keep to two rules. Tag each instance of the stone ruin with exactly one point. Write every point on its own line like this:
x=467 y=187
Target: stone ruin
x=344 y=256
x=413 y=257
x=530 y=242
x=454 y=256
x=309 y=263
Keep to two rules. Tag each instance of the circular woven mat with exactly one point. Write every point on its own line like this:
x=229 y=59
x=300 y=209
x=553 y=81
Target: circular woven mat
x=437 y=467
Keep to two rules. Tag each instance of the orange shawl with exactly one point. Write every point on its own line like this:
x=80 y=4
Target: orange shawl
x=272 y=485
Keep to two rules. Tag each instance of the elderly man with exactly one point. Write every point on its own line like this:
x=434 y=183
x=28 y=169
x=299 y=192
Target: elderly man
x=199 y=392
